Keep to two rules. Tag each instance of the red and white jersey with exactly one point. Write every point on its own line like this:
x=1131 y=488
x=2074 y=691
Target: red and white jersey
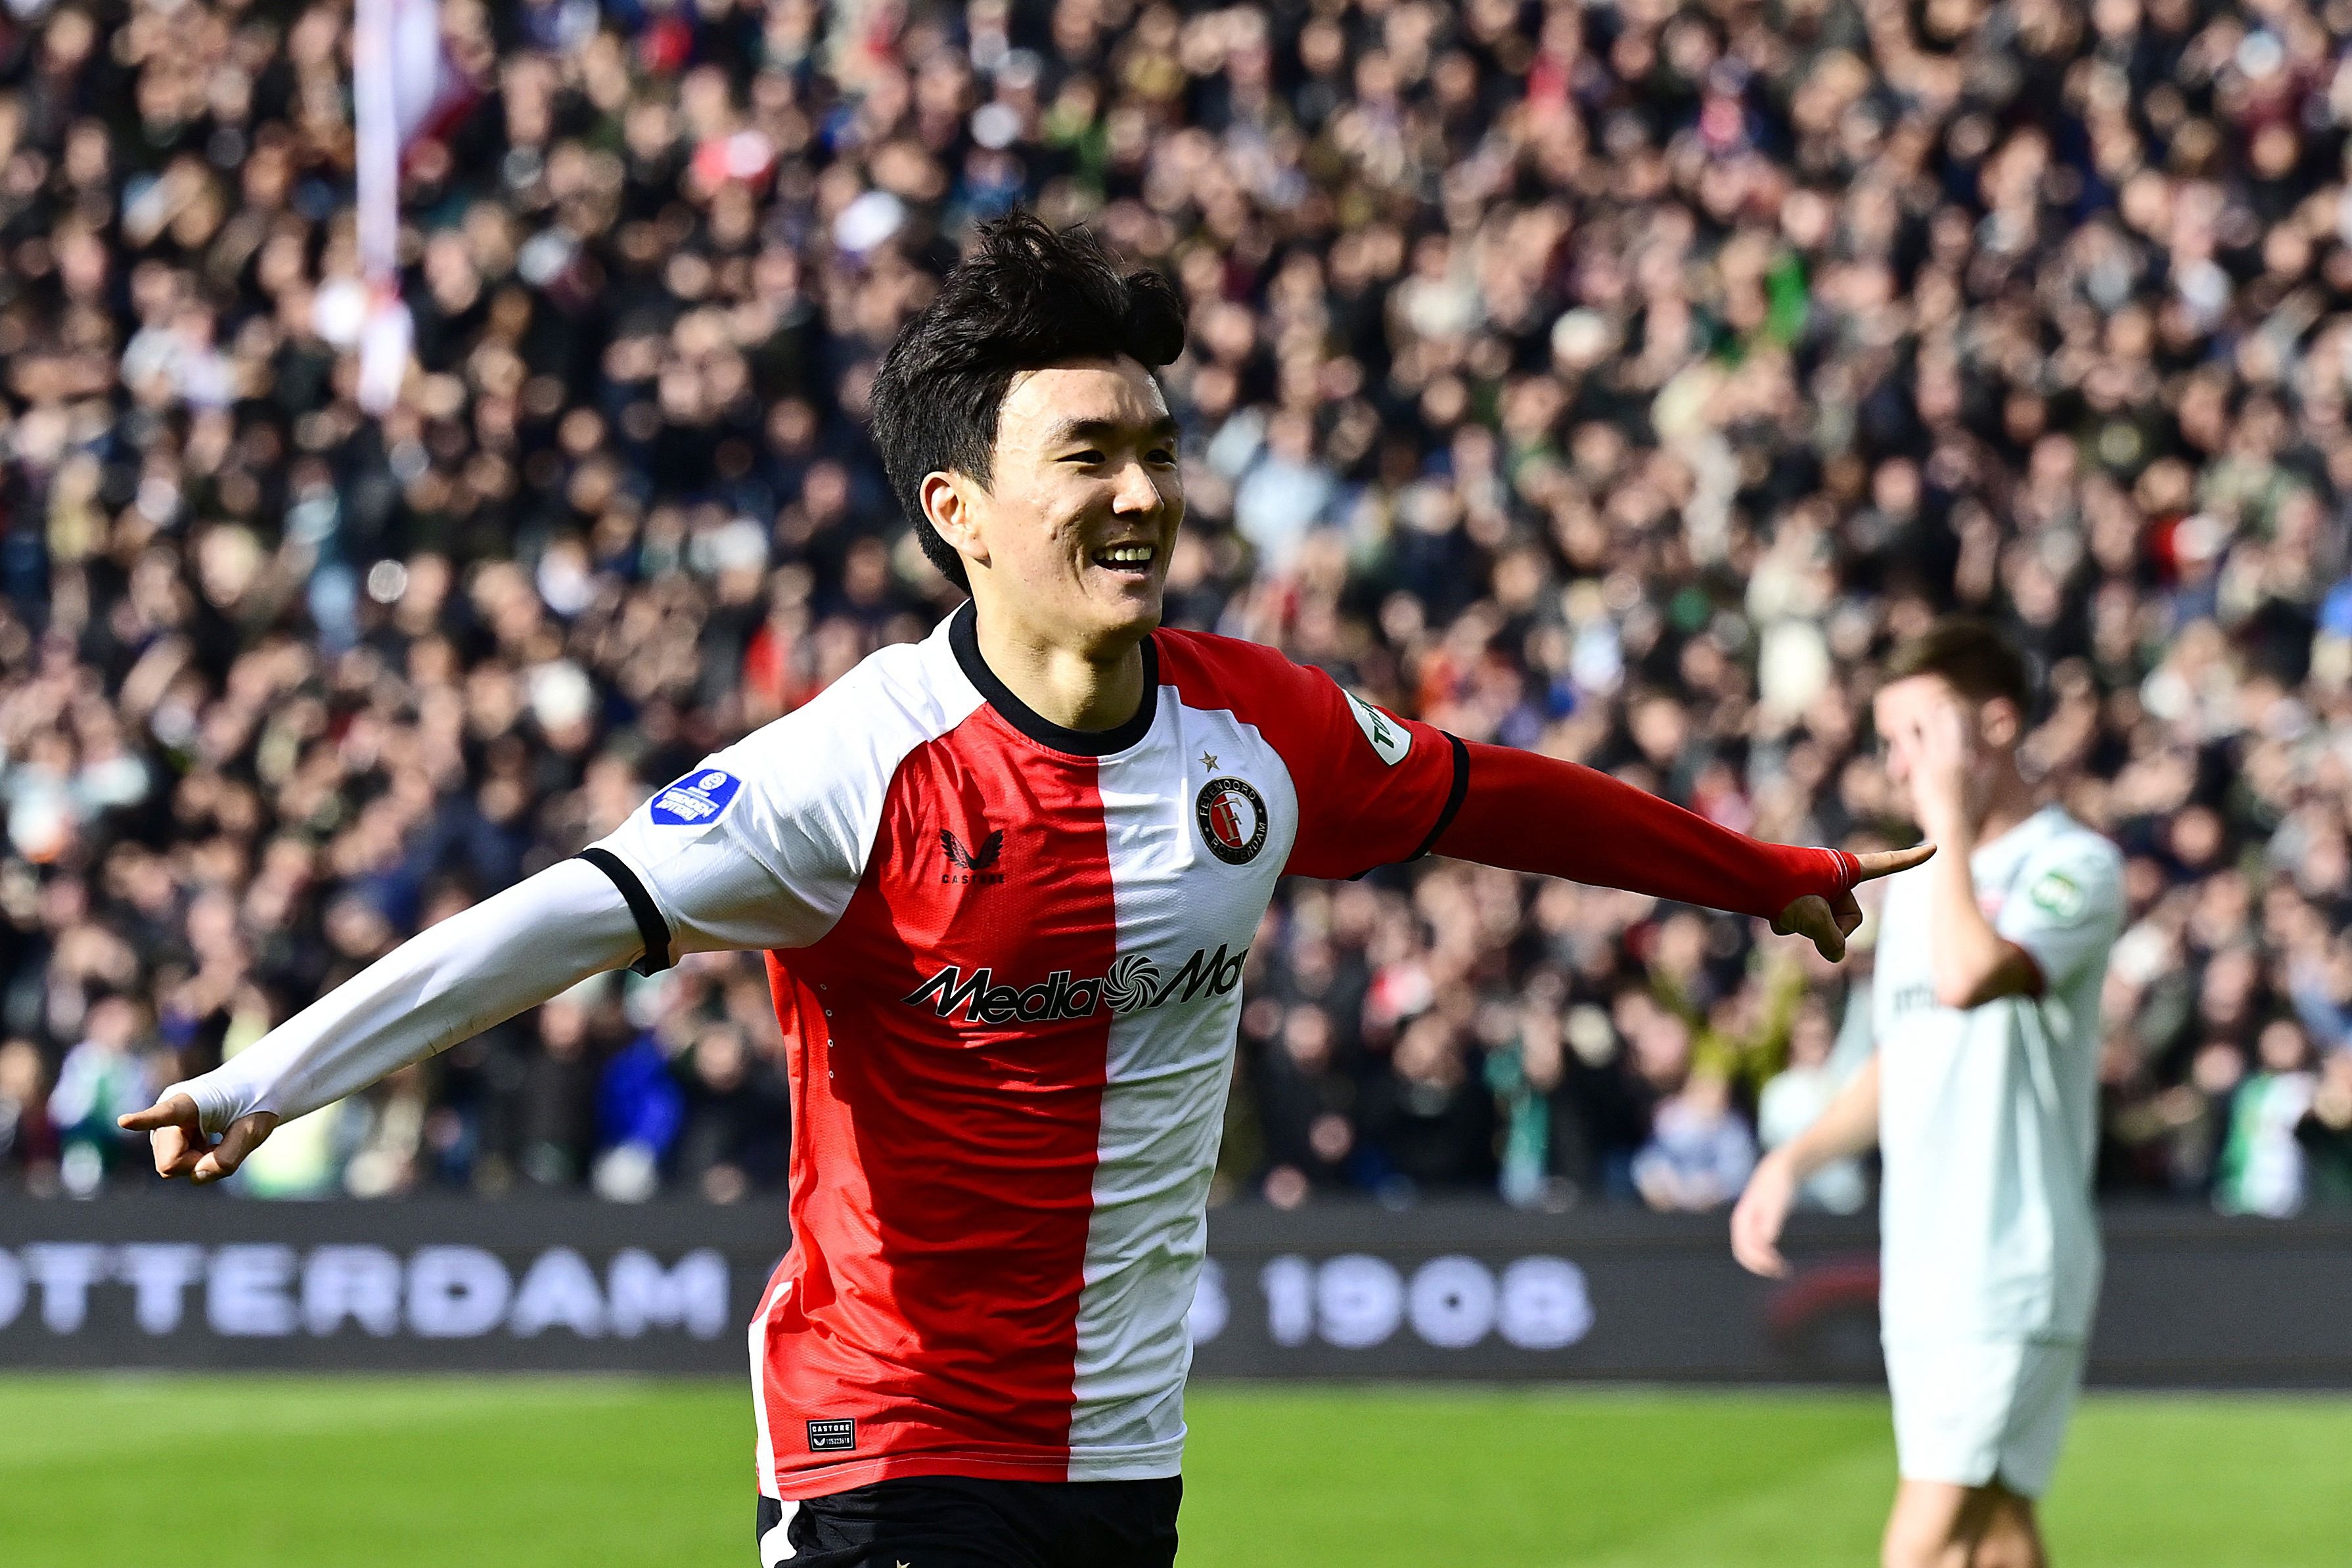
x=1007 y=961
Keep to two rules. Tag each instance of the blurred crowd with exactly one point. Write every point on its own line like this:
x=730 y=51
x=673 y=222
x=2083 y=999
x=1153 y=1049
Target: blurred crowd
x=1614 y=379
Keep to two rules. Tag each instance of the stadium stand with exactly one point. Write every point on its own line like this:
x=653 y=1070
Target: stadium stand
x=1615 y=379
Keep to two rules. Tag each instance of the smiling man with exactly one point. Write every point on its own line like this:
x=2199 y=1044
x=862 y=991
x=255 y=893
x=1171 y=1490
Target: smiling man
x=1006 y=880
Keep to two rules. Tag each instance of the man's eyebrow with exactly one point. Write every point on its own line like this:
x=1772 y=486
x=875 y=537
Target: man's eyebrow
x=1100 y=430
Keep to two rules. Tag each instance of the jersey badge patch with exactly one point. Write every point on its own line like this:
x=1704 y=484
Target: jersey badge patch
x=1231 y=815
x=1389 y=737
x=697 y=799
x=2058 y=896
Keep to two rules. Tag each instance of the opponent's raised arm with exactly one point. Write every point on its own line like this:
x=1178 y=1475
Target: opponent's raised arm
x=1533 y=813
x=481 y=966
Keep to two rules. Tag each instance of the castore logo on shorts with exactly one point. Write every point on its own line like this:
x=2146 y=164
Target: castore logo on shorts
x=1133 y=984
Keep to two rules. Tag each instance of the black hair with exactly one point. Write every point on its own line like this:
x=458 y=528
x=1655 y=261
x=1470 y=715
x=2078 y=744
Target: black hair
x=1972 y=657
x=1023 y=299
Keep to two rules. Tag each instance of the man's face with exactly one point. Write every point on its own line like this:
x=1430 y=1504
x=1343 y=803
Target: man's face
x=1899 y=713
x=1072 y=532
x=1936 y=739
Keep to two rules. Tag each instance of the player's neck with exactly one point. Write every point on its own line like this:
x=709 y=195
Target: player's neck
x=1081 y=689
x=2012 y=802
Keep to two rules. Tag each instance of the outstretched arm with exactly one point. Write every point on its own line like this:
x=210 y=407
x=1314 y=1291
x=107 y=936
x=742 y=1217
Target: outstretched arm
x=1528 y=812
x=481 y=966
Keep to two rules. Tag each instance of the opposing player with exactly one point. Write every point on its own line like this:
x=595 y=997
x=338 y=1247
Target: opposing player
x=1006 y=880
x=1982 y=1098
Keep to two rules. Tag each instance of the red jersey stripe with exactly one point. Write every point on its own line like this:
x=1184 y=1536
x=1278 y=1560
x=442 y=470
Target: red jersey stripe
x=947 y=1097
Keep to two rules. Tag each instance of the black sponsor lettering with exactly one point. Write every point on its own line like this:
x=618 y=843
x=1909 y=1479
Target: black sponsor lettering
x=1037 y=1002
x=1059 y=998
x=1213 y=971
x=1190 y=977
x=950 y=995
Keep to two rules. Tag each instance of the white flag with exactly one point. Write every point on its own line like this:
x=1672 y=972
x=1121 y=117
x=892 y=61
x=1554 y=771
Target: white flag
x=402 y=83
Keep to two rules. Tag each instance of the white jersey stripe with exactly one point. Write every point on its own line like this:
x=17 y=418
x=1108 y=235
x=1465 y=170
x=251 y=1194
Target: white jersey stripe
x=1169 y=1066
x=776 y=1546
x=765 y=1461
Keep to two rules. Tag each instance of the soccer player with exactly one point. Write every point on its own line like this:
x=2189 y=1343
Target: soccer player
x=1982 y=1099
x=1006 y=880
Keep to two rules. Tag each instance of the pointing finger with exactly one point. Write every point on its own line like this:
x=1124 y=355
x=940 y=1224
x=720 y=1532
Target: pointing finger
x=1887 y=863
x=179 y=1111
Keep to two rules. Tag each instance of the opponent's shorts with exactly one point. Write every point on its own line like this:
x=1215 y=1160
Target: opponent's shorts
x=1972 y=1412
x=955 y=1521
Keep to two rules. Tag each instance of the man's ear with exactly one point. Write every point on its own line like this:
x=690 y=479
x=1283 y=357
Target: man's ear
x=2000 y=725
x=948 y=506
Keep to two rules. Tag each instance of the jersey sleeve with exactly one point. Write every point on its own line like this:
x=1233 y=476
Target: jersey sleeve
x=1532 y=813
x=481 y=966
x=2067 y=909
x=761 y=846
x=1373 y=789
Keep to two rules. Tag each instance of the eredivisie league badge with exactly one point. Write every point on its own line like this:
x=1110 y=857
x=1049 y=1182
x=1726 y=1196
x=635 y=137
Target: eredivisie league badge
x=696 y=799
x=1231 y=815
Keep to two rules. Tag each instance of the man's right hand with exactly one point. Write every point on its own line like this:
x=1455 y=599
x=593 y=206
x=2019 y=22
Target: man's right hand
x=177 y=1139
x=1760 y=1213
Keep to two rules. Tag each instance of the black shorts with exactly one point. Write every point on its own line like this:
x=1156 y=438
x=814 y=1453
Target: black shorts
x=954 y=1521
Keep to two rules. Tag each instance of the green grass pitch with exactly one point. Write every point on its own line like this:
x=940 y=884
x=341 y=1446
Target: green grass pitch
x=378 y=1472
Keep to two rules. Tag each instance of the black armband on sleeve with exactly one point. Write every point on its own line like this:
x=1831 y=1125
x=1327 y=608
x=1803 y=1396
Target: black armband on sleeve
x=650 y=924
x=1453 y=796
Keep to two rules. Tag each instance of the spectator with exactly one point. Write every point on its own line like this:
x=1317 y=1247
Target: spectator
x=2325 y=1133
x=27 y=1145
x=1305 y=1106
x=736 y=1113
x=556 y=1118
x=1794 y=1100
x=639 y=1110
x=2263 y=1162
x=1700 y=1153
x=1429 y=1119
x=389 y=1153
x=103 y=1078
x=1575 y=1123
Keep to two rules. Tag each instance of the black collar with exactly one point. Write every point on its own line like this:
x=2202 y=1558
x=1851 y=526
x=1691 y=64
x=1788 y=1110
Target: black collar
x=964 y=636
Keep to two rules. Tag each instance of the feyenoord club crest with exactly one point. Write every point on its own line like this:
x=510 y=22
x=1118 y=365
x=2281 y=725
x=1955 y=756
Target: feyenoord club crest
x=1233 y=819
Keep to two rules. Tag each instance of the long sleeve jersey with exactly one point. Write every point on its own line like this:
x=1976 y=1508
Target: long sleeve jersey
x=1006 y=961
